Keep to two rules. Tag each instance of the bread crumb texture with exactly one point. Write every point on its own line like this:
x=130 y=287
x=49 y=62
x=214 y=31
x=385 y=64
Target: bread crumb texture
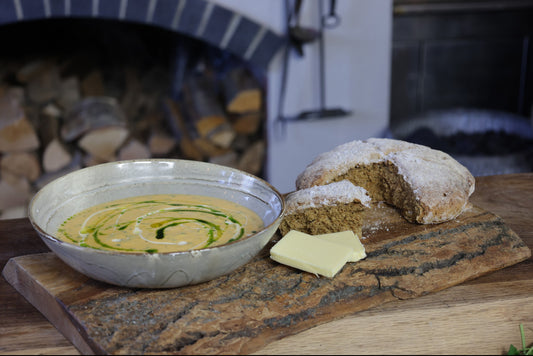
x=426 y=185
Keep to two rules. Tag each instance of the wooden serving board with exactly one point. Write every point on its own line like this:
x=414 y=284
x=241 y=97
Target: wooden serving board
x=264 y=301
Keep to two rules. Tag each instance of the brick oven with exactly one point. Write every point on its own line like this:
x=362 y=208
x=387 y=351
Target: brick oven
x=86 y=82
x=193 y=79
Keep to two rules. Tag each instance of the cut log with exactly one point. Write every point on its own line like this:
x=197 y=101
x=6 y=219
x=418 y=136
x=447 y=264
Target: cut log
x=55 y=155
x=11 y=108
x=52 y=110
x=16 y=212
x=16 y=132
x=10 y=111
x=104 y=142
x=160 y=143
x=242 y=142
x=205 y=112
x=69 y=93
x=49 y=124
x=180 y=130
x=92 y=113
x=45 y=86
x=229 y=159
x=60 y=115
x=93 y=84
x=131 y=99
x=21 y=164
x=14 y=193
x=10 y=178
x=16 y=93
x=242 y=92
x=89 y=160
x=208 y=148
x=133 y=149
x=217 y=130
x=252 y=159
x=209 y=124
x=190 y=150
x=192 y=145
x=144 y=124
x=246 y=124
x=75 y=164
x=32 y=69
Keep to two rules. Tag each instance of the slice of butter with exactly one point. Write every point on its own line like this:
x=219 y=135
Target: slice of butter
x=348 y=238
x=311 y=254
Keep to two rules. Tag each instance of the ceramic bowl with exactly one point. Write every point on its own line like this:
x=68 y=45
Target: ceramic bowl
x=86 y=187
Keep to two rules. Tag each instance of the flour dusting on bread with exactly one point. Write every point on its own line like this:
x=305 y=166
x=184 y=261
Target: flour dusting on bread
x=426 y=185
x=334 y=207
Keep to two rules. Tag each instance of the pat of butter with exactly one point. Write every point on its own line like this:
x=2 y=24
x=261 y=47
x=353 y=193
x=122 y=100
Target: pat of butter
x=311 y=254
x=347 y=238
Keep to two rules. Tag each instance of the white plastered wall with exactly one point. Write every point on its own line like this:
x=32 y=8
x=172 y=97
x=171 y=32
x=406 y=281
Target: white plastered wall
x=357 y=58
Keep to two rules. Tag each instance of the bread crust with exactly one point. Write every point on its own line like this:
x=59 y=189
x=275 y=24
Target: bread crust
x=334 y=207
x=426 y=185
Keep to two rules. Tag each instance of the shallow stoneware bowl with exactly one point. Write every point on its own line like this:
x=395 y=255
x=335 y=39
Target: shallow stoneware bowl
x=86 y=187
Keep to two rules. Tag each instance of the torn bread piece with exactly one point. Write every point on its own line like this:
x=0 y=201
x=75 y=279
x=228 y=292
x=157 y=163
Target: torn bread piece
x=427 y=185
x=334 y=207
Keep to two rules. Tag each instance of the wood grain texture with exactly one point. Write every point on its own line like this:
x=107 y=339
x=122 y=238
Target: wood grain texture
x=263 y=301
x=438 y=323
x=482 y=319
x=24 y=330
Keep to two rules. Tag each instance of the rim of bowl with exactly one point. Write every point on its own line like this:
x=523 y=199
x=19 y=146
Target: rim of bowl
x=46 y=235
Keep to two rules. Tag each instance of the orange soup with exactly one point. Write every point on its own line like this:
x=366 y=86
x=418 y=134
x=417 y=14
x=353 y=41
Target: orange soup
x=160 y=223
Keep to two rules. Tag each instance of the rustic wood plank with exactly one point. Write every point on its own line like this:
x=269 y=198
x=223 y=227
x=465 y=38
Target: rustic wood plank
x=481 y=319
x=263 y=301
x=45 y=297
x=24 y=330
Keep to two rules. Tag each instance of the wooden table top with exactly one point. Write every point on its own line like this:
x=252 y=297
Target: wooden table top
x=481 y=316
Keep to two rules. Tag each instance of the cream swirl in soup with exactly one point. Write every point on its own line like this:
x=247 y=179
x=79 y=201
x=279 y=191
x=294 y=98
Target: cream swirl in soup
x=160 y=223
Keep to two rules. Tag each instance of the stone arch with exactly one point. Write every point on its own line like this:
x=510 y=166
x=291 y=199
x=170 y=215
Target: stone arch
x=200 y=19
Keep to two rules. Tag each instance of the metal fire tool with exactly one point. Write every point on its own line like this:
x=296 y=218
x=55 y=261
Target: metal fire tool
x=299 y=35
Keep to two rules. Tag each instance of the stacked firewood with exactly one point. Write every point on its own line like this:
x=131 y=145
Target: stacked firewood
x=55 y=119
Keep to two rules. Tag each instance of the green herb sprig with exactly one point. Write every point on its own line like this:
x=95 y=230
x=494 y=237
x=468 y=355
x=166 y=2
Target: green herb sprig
x=525 y=350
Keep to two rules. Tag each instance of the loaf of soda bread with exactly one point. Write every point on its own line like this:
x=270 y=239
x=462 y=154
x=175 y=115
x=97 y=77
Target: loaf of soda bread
x=426 y=185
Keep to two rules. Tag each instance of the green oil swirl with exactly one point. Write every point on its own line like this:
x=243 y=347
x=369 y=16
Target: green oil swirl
x=161 y=223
